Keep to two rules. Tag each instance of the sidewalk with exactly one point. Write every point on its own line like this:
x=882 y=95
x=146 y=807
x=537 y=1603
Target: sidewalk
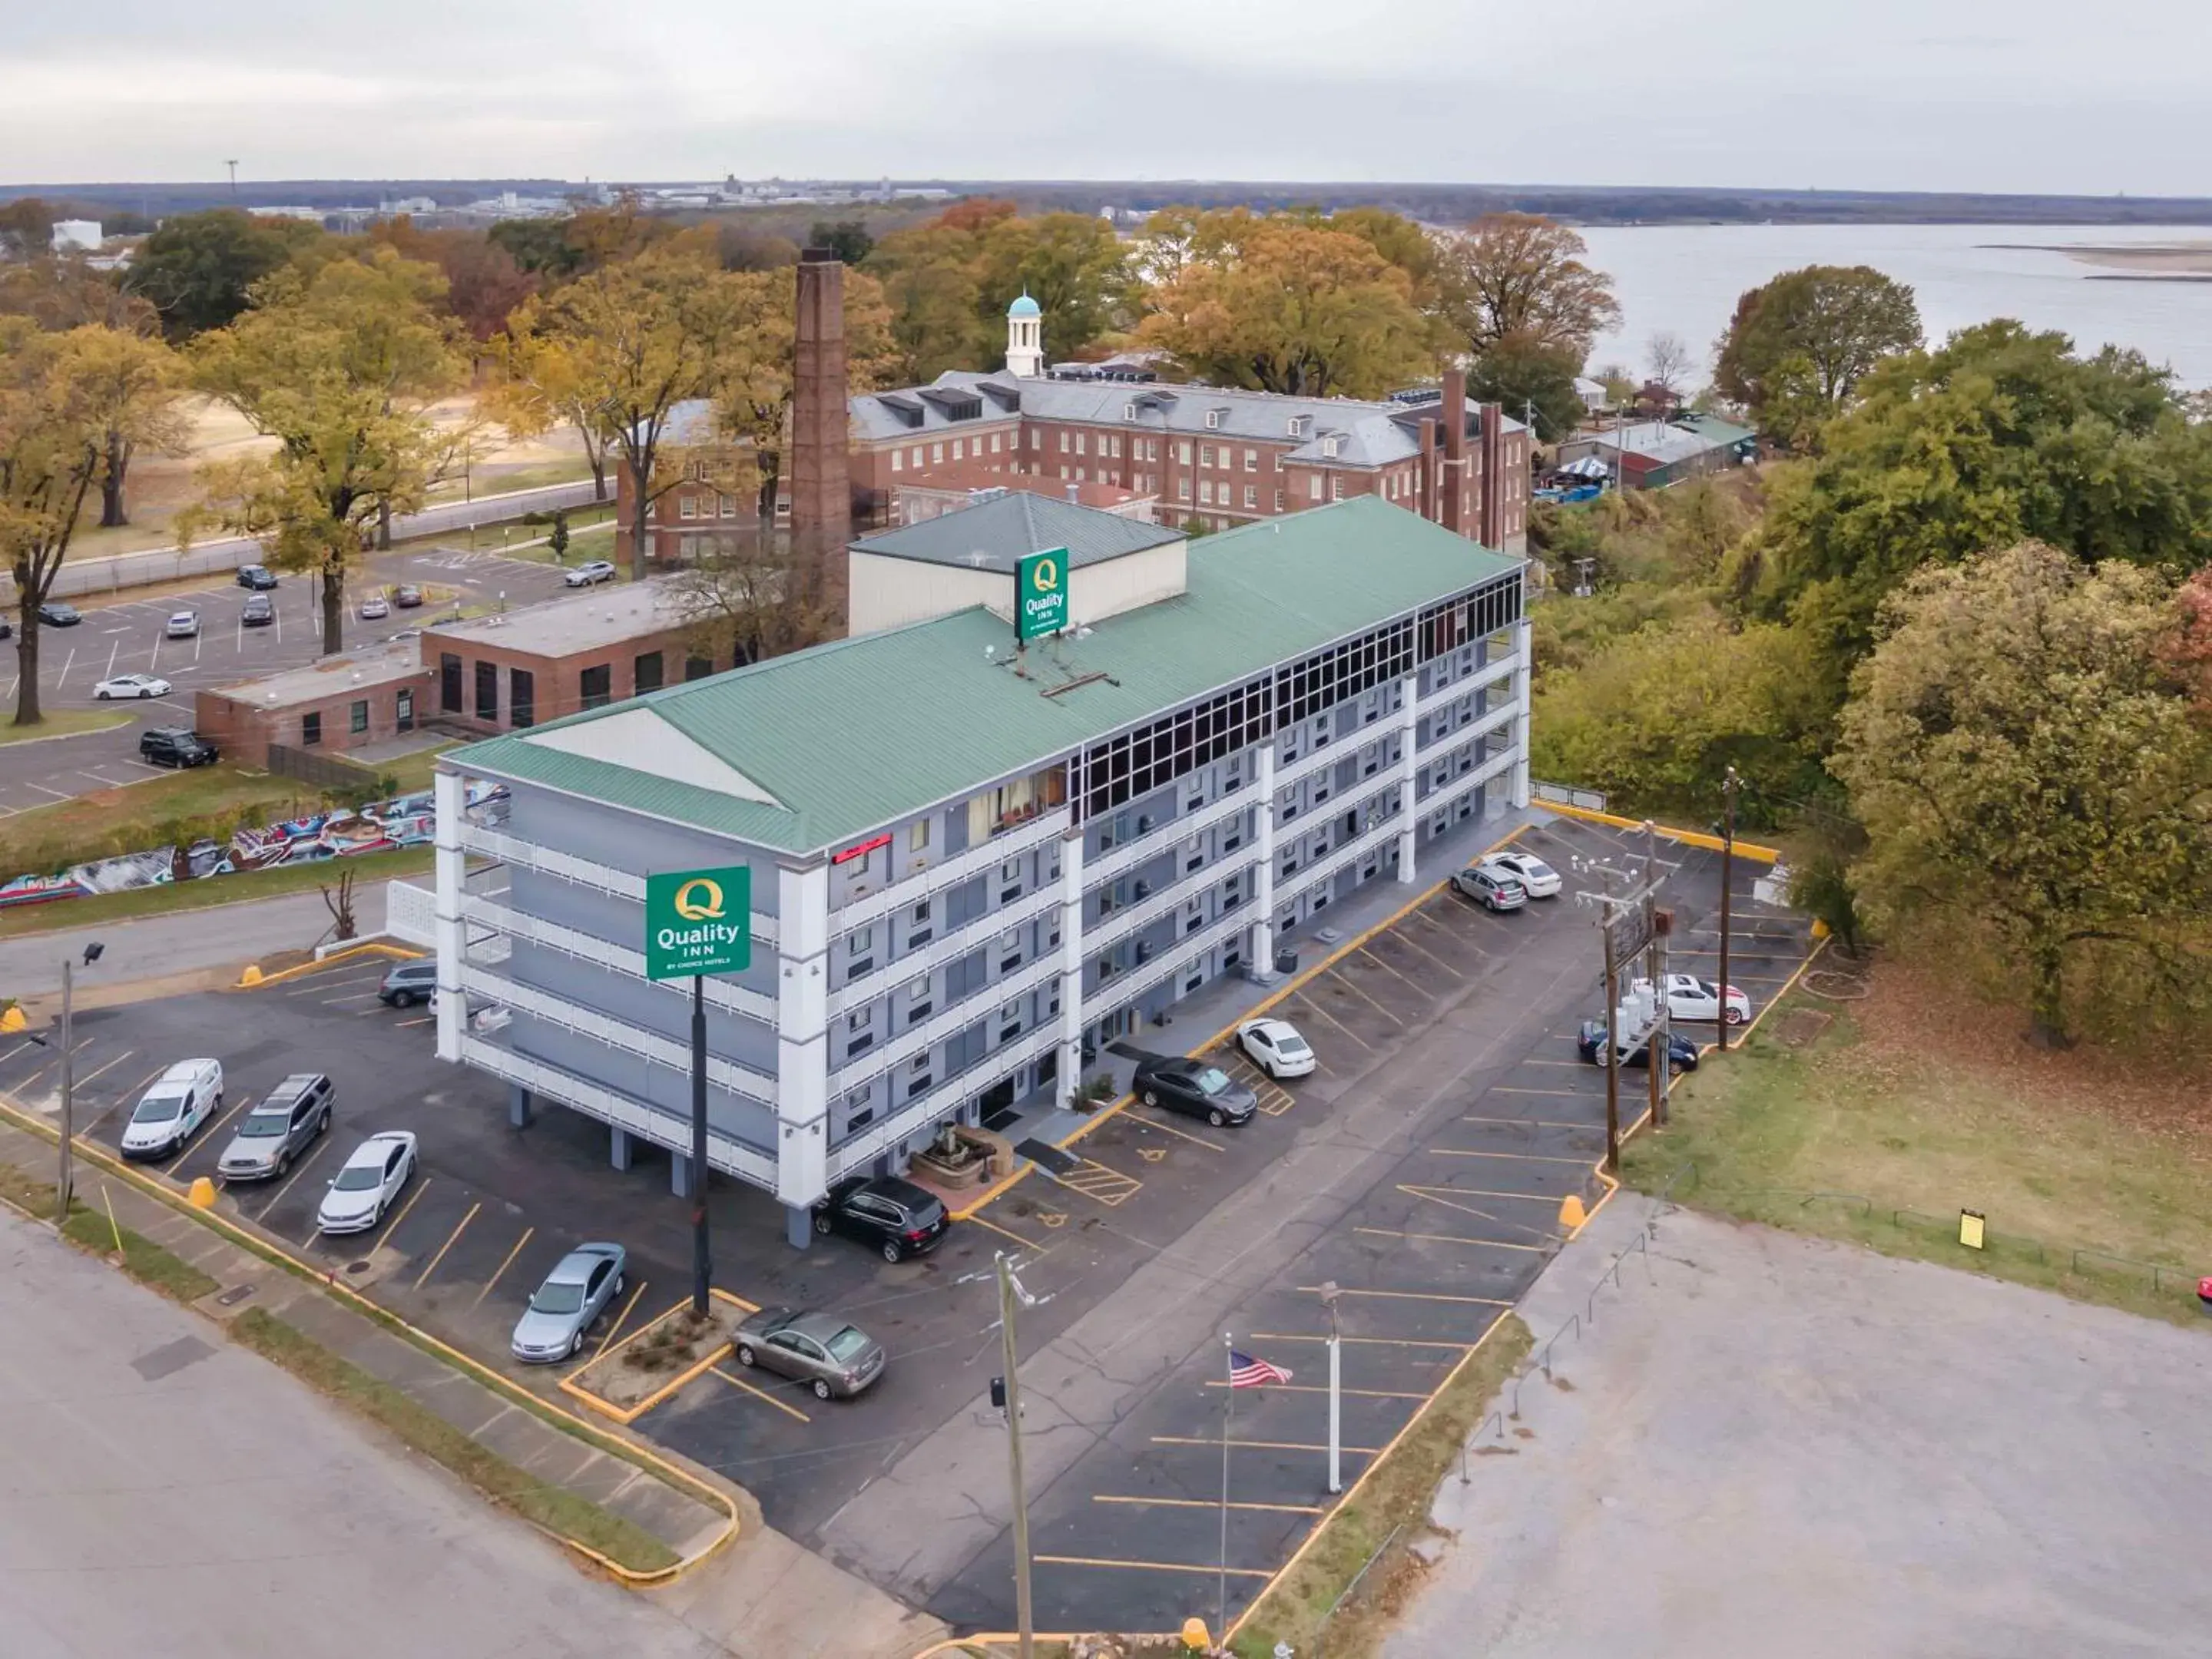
x=225 y=936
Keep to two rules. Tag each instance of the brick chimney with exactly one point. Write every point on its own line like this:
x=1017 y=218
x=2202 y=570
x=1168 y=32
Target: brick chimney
x=1427 y=480
x=1455 y=478
x=821 y=477
x=1491 y=517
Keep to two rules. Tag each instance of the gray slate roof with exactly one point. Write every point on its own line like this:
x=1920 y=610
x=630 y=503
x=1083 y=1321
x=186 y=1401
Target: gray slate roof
x=999 y=534
x=1368 y=434
x=861 y=733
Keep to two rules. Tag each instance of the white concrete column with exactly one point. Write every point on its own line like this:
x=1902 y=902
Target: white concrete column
x=1525 y=651
x=1261 y=951
x=450 y=796
x=1409 y=766
x=802 y=1042
x=1071 y=962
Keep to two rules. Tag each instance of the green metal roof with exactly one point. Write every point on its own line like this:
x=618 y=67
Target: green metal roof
x=860 y=733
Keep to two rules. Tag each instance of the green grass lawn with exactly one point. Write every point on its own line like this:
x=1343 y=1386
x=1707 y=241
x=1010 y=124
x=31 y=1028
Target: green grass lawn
x=1906 y=1107
x=65 y=723
x=217 y=890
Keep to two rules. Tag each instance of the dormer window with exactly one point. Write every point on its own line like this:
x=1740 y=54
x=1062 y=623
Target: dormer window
x=1213 y=420
x=1299 y=426
x=1331 y=445
x=1128 y=411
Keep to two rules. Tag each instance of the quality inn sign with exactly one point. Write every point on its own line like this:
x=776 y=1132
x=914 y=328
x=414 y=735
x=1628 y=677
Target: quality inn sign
x=698 y=921
x=1040 y=594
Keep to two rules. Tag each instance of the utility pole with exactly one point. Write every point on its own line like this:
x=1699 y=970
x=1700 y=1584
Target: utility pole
x=1636 y=911
x=1612 y=1040
x=1329 y=1294
x=1009 y=1293
x=68 y=1091
x=1655 y=1051
x=232 y=166
x=1728 y=787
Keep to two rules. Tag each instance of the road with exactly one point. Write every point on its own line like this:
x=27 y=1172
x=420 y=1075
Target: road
x=168 y=1493
x=128 y=636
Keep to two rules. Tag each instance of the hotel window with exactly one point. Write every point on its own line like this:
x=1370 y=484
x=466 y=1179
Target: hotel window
x=310 y=730
x=488 y=691
x=521 y=698
x=1251 y=495
x=1251 y=460
x=899 y=460
x=597 y=686
x=1313 y=485
x=917 y=838
x=357 y=719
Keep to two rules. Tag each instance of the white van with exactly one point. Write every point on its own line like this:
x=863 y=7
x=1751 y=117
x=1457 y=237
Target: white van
x=171 y=1111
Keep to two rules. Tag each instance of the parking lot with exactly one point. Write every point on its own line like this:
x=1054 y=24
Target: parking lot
x=1420 y=1168
x=128 y=635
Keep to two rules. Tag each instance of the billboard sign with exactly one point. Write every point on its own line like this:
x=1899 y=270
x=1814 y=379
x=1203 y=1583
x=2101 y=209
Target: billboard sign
x=1040 y=594
x=698 y=921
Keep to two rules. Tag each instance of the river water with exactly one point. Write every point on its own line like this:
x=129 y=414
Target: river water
x=1685 y=279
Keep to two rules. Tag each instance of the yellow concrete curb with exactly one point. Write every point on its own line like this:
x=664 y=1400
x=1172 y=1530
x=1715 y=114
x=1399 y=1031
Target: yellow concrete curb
x=629 y=1451
x=1744 y=849
x=253 y=978
x=626 y=1415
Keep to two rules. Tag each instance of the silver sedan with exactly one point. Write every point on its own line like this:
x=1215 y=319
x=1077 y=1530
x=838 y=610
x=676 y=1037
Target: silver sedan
x=821 y=1349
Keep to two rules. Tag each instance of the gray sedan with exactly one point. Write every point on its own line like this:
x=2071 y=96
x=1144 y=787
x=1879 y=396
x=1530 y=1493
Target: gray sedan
x=819 y=1349
x=574 y=1294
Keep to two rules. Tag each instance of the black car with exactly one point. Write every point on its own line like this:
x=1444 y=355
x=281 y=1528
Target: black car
x=256 y=576
x=408 y=983
x=259 y=611
x=171 y=746
x=407 y=596
x=896 y=1217
x=7 y=628
x=1196 y=1087
x=58 y=615
x=1590 y=1043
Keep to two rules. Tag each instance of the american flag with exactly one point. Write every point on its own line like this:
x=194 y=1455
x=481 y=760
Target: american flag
x=1246 y=1372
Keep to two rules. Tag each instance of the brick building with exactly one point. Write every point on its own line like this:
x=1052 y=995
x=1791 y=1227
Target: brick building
x=956 y=487
x=344 y=702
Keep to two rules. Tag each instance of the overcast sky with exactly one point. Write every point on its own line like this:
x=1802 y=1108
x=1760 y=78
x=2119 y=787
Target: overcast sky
x=2040 y=95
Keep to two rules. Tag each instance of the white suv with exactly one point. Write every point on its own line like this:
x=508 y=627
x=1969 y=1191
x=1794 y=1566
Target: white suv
x=173 y=1109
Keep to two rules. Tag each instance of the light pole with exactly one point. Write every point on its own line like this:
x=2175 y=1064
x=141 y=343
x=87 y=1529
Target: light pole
x=1729 y=785
x=1329 y=1296
x=63 y=1172
x=1010 y=1294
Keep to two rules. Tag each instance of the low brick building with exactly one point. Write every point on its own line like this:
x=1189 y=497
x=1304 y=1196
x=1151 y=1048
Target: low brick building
x=346 y=702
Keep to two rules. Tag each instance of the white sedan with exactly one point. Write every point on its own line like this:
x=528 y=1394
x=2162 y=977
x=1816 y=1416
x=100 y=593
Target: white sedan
x=372 y=1178
x=1537 y=878
x=182 y=625
x=131 y=685
x=1276 y=1047
x=586 y=576
x=1691 y=998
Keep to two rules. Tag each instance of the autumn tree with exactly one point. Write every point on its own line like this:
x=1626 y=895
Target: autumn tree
x=617 y=348
x=935 y=293
x=1277 y=304
x=1798 y=346
x=340 y=369
x=2031 y=777
x=2002 y=435
x=1521 y=275
x=848 y=239
x=66 y=398
x=1667 y=357
x=1533 y=382
x=199 y=269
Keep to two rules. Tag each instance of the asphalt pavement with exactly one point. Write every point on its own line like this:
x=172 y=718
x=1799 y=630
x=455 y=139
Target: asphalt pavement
x=128 y=636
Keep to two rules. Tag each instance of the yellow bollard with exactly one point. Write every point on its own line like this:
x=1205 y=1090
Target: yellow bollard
x=201 y=1194
x=1572 y=1214
x=1820 y=929
x=250 y=976
x=12 y=1020
x=1194 y=1637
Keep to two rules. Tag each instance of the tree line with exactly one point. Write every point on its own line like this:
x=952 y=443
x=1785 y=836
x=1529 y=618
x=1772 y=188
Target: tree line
x=1957 y=644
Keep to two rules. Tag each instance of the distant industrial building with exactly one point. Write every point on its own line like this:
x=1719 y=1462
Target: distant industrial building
x=1655 y=454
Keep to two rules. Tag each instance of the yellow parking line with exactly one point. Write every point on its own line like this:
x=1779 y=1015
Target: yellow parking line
x=1363 y=1342
x=1531 y=1122
x=392 y=1225
x=1368 y=950
x=1344 y=980
x=1577 y=1064
x=448 y=1244
x=1257 y=1445
x=1311 y=1006
x=1483 y=1192
x=1550 y=1094
x=321 y=1145
x=1453 y=1238
x=1195 y=1140
x=1414 y=1296
x=503 y=1266
x=1004 y=1232
x=620 y=1317
x=1208 y=1504
x=420 y=1019
x=1435 y=1196
x=1411 y=946
x=1316 y=1387
x=211 y=1131
x=764 y=1395
x=1508 y=1157
x=1211 y=1569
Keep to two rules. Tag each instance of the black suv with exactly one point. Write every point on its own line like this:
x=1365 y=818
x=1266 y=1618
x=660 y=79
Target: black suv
x=259 y=611
x=256 y=575
x=279 y=1130
x=1196 y=1087
x=169 y=746
x=408 y=983
x=897 y=1218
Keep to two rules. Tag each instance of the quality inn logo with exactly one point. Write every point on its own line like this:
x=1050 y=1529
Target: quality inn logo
x=700 y=900
x=698 y=921
x=1041 y=594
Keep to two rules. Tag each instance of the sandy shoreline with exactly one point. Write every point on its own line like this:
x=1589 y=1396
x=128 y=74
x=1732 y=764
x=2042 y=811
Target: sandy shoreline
x=2165 y=261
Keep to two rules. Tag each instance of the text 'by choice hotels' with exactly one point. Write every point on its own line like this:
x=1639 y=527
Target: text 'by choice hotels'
x=698 y=921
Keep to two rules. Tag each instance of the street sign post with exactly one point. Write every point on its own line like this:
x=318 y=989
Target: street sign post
x=1040 y=594
x=699 y=922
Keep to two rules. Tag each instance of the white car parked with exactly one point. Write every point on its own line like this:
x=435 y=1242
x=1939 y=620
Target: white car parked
x=1536 y=877
x=364 y=1189
x=586 y=575
x=173 y=1109
x=1276 y=1047
x=182 y=625
x=1689 y=997
x=131 y=685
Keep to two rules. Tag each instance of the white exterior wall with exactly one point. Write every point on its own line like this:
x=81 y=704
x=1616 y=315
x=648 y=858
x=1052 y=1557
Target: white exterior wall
x=889 y=593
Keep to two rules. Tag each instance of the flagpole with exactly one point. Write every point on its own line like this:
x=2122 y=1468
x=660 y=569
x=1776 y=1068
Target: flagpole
x=1228 y=1405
